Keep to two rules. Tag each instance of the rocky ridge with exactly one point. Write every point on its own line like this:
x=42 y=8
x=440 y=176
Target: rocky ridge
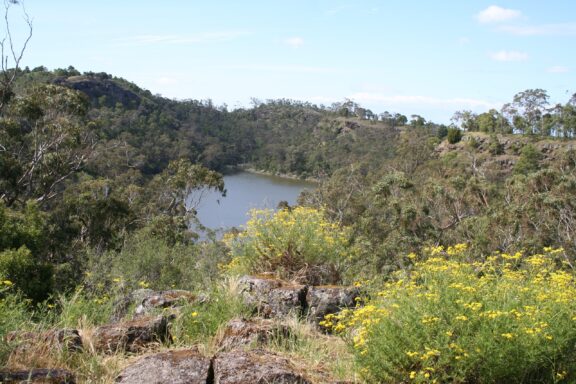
x=242 y=355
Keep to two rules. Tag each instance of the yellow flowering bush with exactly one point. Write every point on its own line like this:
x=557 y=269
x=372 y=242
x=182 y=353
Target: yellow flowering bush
x=509 y=319
x=296 y=244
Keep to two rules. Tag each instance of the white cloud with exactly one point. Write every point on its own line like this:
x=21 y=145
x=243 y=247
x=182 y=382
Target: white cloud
x=509 y=56
x=558 y=69
x=496 y=14
x=205 y=37
x=294 y=42
x=457 y=102
x=560 y=29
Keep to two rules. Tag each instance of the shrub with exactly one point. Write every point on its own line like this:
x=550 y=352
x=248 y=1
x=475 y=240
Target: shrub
x=297 y=244
x=453 y=135
x=33 y=279
x=510 y=319
x=151 y=262
x=529 y=160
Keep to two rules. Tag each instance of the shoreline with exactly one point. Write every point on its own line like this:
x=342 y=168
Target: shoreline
x=250 y=169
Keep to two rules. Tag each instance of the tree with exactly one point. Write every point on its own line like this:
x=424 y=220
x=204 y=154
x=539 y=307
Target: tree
x=531 y=103
x=181 y=186
x=466 y=120
x=45 y=139
x=11 y=55
x=417 y=121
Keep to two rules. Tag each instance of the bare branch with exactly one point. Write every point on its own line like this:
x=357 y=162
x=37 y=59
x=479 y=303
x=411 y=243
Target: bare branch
x=15 y=55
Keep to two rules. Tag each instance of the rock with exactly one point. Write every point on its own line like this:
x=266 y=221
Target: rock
x=165 y=299
x=324 y=300
x=146 y=300
x=273 y=297
x=173 y=367
x=122 y=306
x=38 y=375
x=97 y=85
x=257 y=367
x=256 y=331
x=62 y=339
x=131 y=336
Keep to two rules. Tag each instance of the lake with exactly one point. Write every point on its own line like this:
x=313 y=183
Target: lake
x=245 y=191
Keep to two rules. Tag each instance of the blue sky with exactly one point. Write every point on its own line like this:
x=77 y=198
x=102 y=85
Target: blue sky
x=413 y=57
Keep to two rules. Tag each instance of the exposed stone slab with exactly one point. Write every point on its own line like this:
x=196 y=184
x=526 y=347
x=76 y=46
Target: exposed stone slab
x=253 y=332
x=130 y=336
x=171 y=367
x=257 y=367
x=273 y=297
x=324 y=300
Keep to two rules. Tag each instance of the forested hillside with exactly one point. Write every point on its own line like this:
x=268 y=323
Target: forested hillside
x=95 y=173
x=96 y=158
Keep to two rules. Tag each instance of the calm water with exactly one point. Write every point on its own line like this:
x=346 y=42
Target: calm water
x=246 y=191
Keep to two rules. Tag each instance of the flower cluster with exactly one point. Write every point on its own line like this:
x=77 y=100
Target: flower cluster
x=449 y=320
x=288 y=242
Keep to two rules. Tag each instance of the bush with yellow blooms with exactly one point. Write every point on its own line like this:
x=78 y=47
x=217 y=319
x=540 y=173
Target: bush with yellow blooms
x=508 y=319
x=298 y=244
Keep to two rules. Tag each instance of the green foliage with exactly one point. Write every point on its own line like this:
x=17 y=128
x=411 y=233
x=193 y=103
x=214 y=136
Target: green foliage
x=86 y=307
x=509 y=319
x=454 y=135
x=297 y=244
x=529 y=160
x=22 y=228
x=14 y=316
x=199 y=322
x=33 y=279
x=45 y=140
x=442 y=132
x=152 y=262
x=495 y=147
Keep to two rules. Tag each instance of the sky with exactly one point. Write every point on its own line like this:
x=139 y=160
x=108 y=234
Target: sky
x=412 y=57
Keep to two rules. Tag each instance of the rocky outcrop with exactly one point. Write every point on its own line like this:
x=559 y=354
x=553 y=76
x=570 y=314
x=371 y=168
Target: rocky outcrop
x=131 y=336
x=251 y=332
x=101 y=90
x=38 y=375
x=325 y=300
x=257 y=367
x=236 y=361
x=174 y=367
x=277 y=298
x=273 y=297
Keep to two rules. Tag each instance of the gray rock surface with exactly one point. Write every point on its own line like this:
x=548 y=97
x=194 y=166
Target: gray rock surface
x=165 y=299
x=251 y=332
x=171 y=367
x=273 y=297
x=324 y=300
x=257 y=367
x=131 y=336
